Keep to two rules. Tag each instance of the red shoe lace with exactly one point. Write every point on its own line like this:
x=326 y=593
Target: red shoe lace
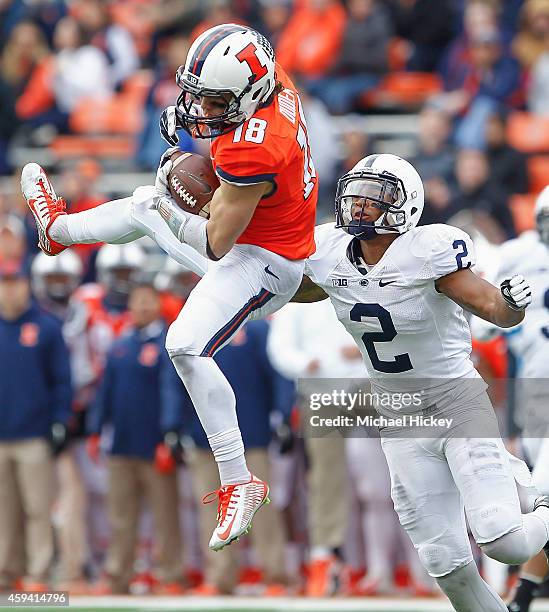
x=226 y=500
x=59 y=206
x=54 y=206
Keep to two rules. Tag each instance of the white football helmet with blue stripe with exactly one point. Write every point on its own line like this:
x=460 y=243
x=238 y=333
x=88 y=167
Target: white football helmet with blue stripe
x=389 y=183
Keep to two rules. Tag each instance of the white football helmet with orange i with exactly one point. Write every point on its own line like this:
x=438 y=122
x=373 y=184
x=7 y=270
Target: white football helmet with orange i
x=233 y=64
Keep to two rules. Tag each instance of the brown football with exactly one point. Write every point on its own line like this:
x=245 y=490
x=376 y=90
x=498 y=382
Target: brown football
x=192 y=182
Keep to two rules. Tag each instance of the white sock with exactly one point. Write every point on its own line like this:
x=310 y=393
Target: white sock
x=215 y=404
x=109 y=222
x=59 y=230
x=228 y=450
x=468 y=592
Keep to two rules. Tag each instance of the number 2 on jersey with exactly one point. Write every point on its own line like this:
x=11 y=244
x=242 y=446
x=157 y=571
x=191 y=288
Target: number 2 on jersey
x=464 y=253
x=400 y=363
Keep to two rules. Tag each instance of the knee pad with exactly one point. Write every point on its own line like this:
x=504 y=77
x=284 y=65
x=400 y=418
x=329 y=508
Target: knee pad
x=493 y=521
x=440 y=559
x=511 y=548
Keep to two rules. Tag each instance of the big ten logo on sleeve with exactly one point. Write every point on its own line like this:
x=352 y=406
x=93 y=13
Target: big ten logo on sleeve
x=29 y=334
x=149 y=354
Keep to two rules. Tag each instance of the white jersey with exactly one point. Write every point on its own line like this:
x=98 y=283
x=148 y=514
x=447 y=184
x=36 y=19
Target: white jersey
x=406 y=330
x=529 y=341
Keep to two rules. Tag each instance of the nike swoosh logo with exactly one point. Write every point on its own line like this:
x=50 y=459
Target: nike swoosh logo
x=271 y=273
x=382 y=284
x=223 y=536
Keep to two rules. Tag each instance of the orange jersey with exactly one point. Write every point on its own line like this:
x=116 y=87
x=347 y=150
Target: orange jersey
x=273 y=147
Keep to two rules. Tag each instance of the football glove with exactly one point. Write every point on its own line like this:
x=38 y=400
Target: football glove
x=516 y=292
x=284 y=437
x=58 y=438
x=170 y=122
x=173 y=442
x=169 y=453
x=164 y=167
x=164 y=463
x=283 y=434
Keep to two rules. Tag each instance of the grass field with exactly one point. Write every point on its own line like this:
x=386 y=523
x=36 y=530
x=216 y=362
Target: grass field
x=222 y=604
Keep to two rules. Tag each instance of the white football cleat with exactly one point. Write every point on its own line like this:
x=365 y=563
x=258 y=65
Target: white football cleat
x=237 y=505
x=44 y=205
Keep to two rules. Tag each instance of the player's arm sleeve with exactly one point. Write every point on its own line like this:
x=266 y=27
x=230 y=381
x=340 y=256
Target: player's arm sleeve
x=58 y=364
x=450 y=249
x=246 y=163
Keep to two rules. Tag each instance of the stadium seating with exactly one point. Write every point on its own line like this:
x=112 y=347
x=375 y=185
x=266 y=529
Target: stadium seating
x=66 y=147
x=522 y=210
x=403 y=90
x=106 y=127
x=528 y=133
x=538 y=171
x=121 y=114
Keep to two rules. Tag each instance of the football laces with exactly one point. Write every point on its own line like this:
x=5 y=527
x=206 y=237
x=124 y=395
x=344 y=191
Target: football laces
x=179 y=188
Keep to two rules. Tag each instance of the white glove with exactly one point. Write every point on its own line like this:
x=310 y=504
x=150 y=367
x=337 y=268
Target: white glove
x=516 y=292
x=164 y=167
x=187 y=228
x=169 y=124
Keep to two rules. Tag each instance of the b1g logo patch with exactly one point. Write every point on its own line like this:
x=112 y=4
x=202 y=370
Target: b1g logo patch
x=29 y=334
x=340 y=282
x=148 y=356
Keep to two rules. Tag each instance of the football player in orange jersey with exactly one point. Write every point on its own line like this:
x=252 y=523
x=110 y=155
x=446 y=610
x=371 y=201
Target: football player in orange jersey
x=260 y=230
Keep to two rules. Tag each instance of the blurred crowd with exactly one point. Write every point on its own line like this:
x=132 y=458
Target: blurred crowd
x=103 y=462
x=89 y=78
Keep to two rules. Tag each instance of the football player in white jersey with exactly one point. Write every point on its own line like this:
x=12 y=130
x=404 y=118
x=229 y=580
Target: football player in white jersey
x=400 y=290
x=529 y=255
